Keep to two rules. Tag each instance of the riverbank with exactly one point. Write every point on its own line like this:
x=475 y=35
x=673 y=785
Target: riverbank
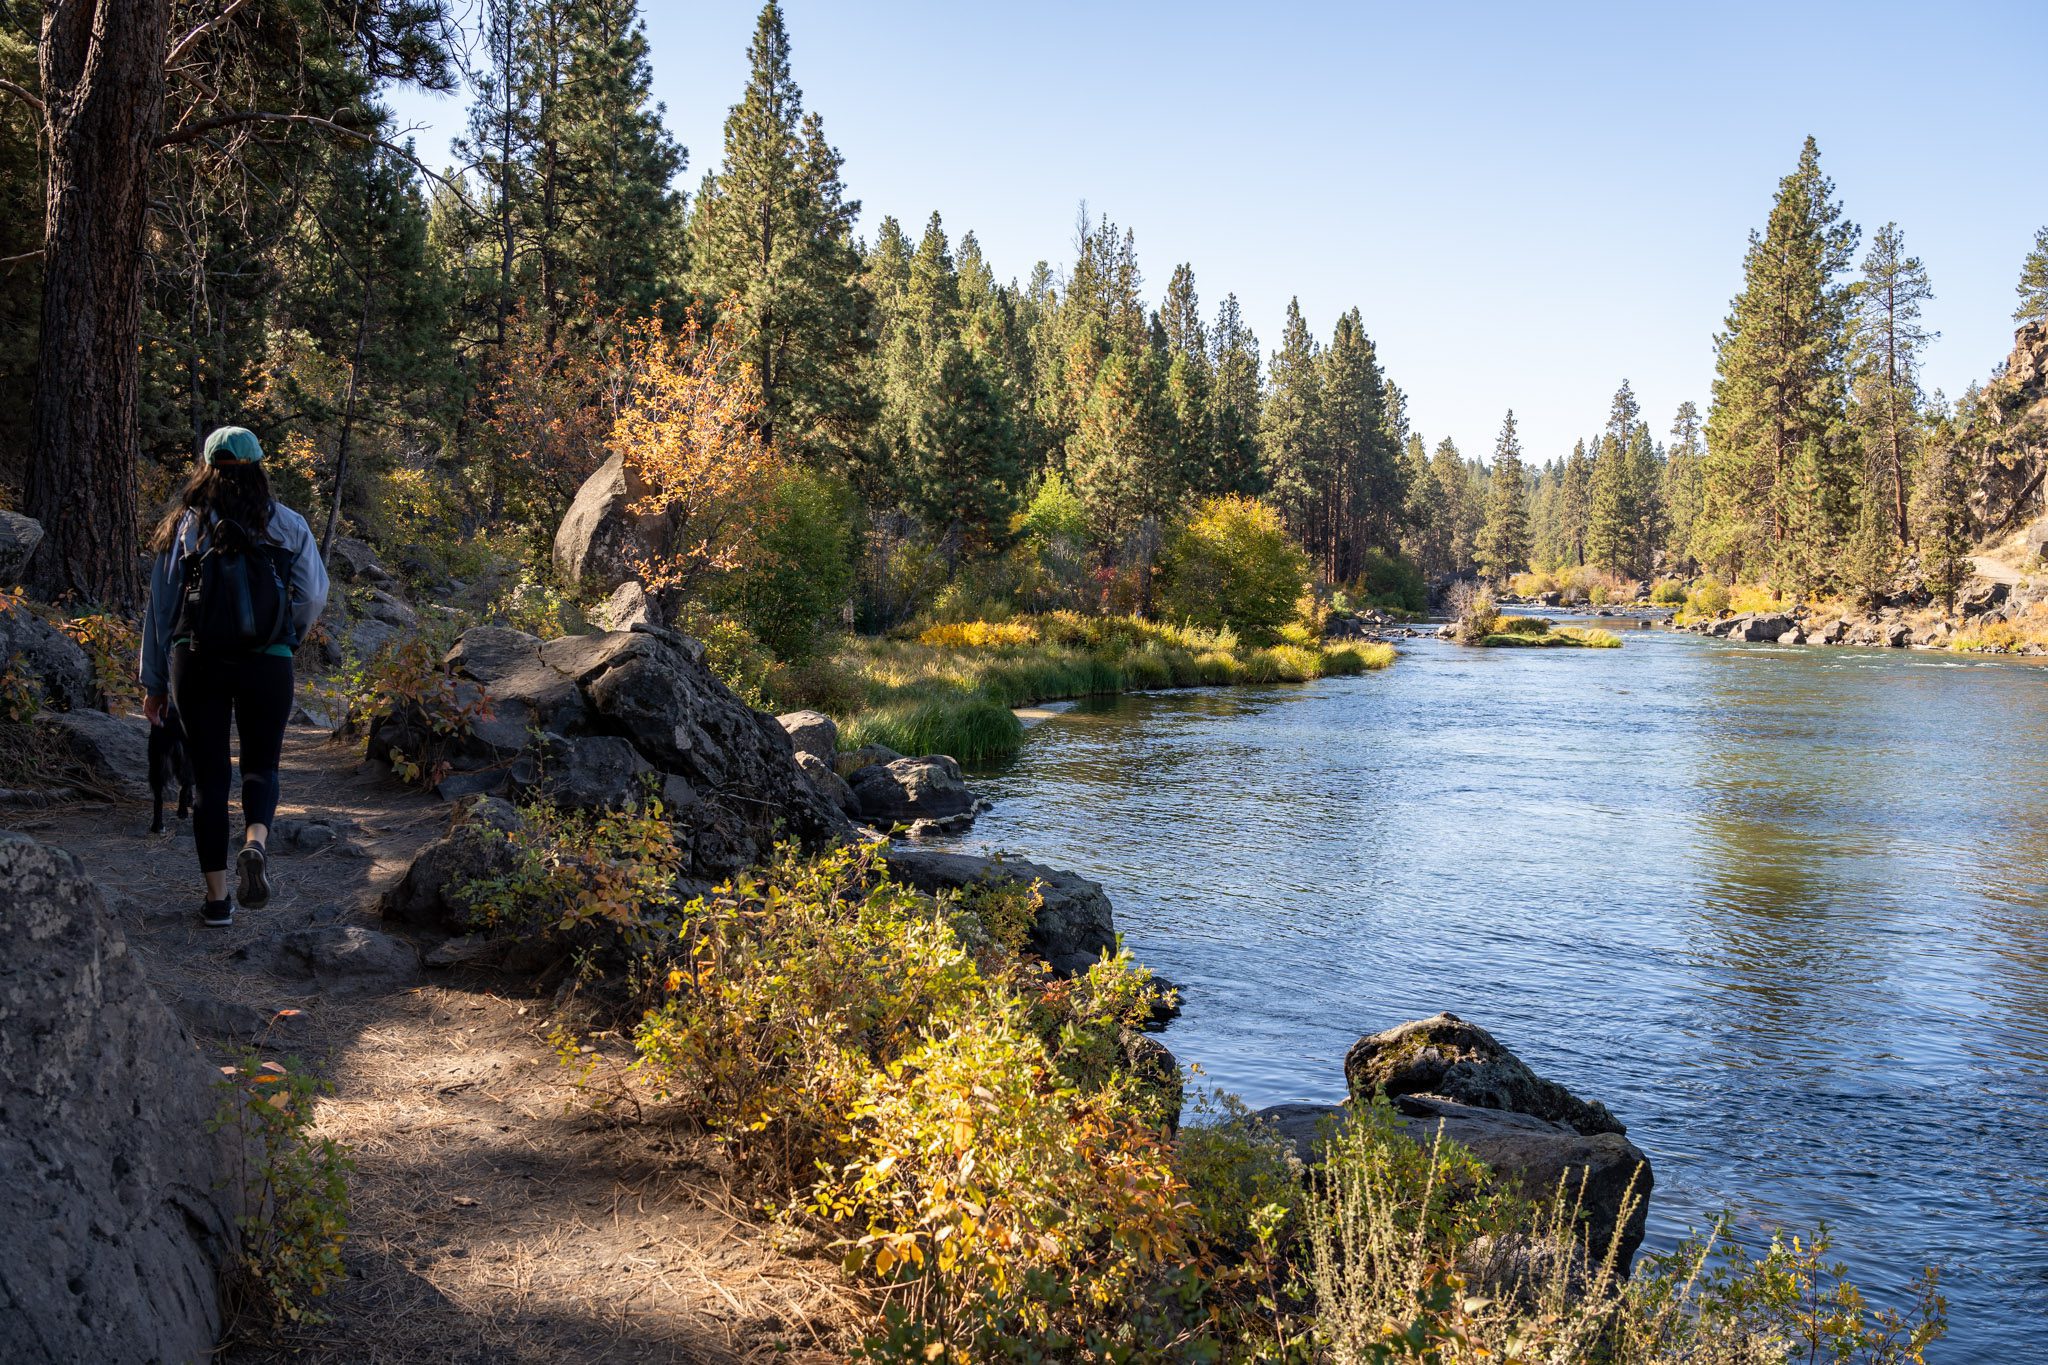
x=953 y=688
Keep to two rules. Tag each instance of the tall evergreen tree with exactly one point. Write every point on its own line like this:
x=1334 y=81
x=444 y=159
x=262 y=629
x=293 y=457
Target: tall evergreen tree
x=1683 y=484
x=1780 y=468
x=1575 y=503
x=2033 y=286
x=1291 y=425
x=773 y=227
x=1502 y=547
x=1889 y=337
x=1235 y=395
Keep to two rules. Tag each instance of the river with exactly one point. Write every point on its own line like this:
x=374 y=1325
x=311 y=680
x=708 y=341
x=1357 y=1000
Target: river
x=1785 y=911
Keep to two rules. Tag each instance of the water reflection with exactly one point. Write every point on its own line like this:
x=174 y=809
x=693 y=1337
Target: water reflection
x=1786 y=911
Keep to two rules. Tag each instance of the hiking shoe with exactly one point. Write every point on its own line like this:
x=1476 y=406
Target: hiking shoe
x=217 y=914
x=252 y=863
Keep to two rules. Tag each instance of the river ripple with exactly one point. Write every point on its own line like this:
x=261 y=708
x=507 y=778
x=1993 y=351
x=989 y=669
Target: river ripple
x=1785 y=911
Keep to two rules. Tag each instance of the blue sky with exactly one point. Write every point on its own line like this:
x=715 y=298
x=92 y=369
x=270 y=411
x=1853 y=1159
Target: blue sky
x=1527 y=201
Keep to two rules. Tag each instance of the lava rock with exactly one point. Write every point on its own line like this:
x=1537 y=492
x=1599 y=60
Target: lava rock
x=118 y=1213
x=601 y=540
x=627 y=607
x=828 y=784
x=19 y=536
x=594 y=772
x=430 y=891
x=811 y=732
x=1446 y=1056
x=114 y=749
x=33 y=648
x=334 y=954
x=912 y=788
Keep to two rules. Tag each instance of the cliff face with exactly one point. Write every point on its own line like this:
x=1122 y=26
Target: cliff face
x=2009 y=430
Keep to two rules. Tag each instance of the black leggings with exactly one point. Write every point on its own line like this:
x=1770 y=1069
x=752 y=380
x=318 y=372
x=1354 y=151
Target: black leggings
x=255 y=691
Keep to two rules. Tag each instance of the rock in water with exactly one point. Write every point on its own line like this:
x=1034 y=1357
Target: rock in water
x=1443 y=1055
x=19 y=536
x=912 y=789
x=117 y=1215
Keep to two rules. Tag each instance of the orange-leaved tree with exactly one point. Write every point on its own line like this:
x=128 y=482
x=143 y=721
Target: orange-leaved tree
x=691 y=446
x=546 y=408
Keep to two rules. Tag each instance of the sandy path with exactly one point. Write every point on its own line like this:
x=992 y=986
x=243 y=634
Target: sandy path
x=495 y=1218
x=1994 y=570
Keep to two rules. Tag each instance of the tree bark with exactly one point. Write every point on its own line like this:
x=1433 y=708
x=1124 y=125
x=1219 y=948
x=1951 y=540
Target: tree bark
x=102 y=75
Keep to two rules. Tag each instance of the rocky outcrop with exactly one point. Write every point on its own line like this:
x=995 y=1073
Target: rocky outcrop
x=1074 y=925
x=601 y=541
x=19 y=536
x=1446 y=1056
x=114 y=749
x=811 y=732
x=46 y=658
x=627 y=607
x=117 y=1216
x=604 y=720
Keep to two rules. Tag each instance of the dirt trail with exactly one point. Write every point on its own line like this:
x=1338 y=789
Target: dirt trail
x=1994 y=570
x=493 y=1219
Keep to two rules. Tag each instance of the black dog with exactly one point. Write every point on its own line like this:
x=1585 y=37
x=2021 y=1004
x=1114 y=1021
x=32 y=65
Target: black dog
x=168 y=763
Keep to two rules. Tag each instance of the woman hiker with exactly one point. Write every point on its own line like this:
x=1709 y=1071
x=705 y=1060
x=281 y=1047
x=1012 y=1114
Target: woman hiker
x=236 y=583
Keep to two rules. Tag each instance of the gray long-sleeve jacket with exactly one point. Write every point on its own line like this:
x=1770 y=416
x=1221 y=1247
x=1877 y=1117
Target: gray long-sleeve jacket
x=167 y=582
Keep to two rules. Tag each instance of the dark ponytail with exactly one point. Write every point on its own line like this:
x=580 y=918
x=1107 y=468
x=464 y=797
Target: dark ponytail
x=230 y=491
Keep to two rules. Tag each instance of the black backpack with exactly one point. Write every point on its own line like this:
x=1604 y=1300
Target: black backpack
x=236 y=600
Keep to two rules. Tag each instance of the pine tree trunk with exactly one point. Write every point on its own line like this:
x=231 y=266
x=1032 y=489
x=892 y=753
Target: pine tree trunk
x=102 y=76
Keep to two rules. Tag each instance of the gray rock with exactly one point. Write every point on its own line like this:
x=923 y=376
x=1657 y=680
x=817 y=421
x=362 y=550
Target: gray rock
x=19 y=536
x=430 y=892
x=117 y=1216
x=627 y=607
x=1766 y=625
x=367 y=637
x=811 y=732
x=1834 y=632
x=601 y=539
x=1897 y=635
x=1981 y=596
x=1157 y=1071
x=114 y=748
x=1601 y=1172
x=828 y=784
x=335 y=954
x=1444 y=1055
x=291 y=835
x=349 y=558
x=592 y=772
x=1075 y=918
x=235 y=1022
x=379 y=605
x=912 y=788
x=32 y=647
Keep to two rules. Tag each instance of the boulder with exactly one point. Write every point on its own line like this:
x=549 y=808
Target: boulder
x=1897 y=635
x=379 y=605
x=811 y=732
x=1157 y=1072
x=1981 y=596
x=1455 y=1060
x=1834 y=632
x=348 y=559
x=1765 y=625
x=1075 y=919
x=627 y=607
x=430 y=891
x=592 y=772
x=1732 y=627
x=1601 y=1172
x=601 y=541
x=32 y=648
x=19 y=536
x=344 y=954
x=828 y=784
x=912 y=788
x=114 y=749
x=118 y=1213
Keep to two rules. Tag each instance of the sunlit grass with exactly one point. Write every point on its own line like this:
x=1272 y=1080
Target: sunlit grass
x=1556 y=637
x=952 y=689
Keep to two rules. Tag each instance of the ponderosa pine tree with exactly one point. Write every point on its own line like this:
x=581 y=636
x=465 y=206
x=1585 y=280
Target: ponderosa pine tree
x=1889 y=337
x=1291 y=425
x=773 y=228
x=1575 y=502
x=1941 y=519
x=1502 y=546
x=1235 y=396
x=1366 y=487
x=1683 y=477
x=2033 y=286
x=1646 y=489
x=1780 y=471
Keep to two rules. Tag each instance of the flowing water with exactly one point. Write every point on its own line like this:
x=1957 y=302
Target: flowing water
x=1785 y=911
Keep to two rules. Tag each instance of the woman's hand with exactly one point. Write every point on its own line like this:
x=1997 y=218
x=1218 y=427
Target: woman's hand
x=153 y=708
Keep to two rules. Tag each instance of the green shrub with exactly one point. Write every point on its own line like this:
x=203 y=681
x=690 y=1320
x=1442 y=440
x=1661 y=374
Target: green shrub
x=1392 y=582
x=790 y=594
x=1668 y=592
x=1709 y=598
x=294 y=1188
x=1522 y=625
x=1233 y=564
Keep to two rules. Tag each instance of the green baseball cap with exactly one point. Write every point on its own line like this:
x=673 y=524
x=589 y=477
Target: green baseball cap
x=233 y=443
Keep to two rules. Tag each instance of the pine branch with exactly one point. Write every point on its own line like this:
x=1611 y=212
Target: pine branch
x=197 y=132
x=186 y=43
x=25 y=95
